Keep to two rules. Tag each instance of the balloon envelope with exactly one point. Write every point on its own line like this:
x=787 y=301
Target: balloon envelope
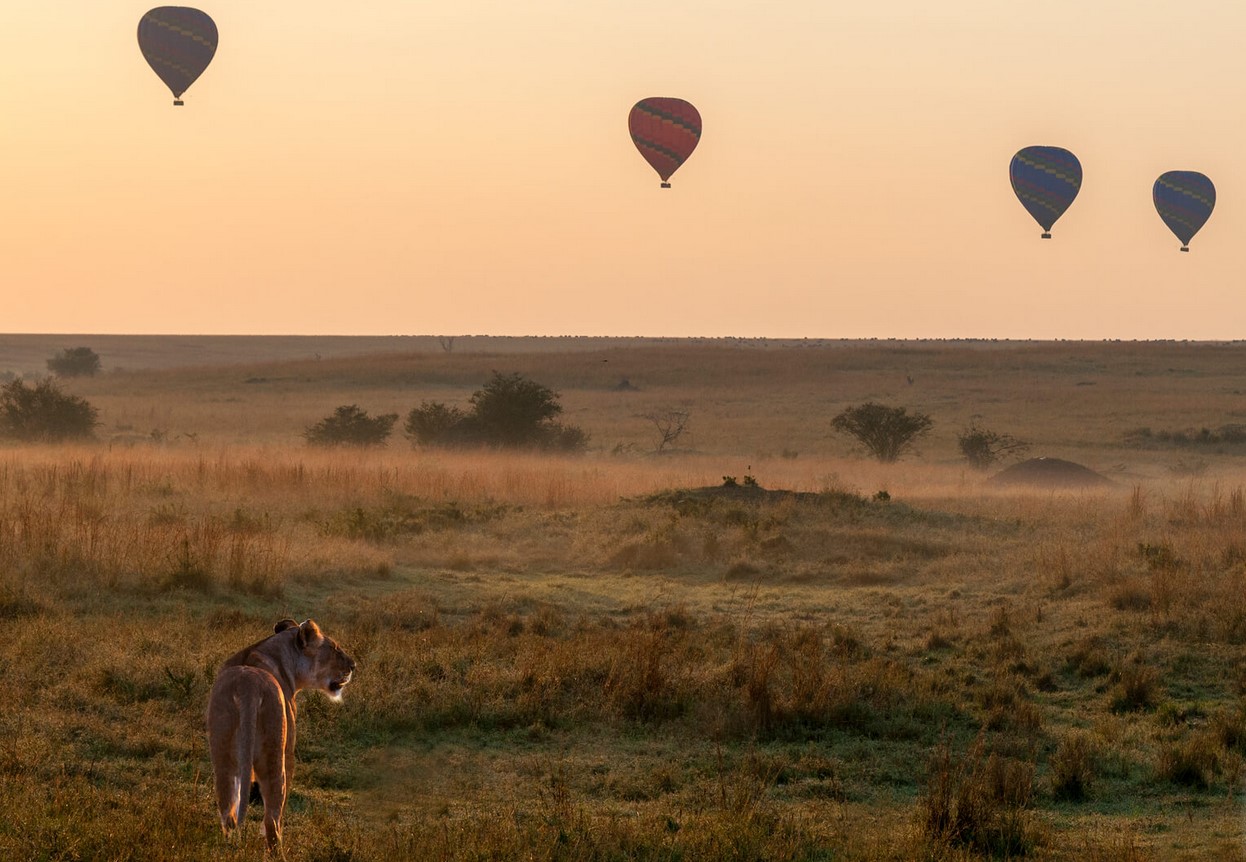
x=666 y=131
x=178 y=43
x=1046 y=181
x=1184 y=200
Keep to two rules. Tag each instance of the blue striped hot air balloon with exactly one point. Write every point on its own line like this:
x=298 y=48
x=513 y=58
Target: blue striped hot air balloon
x=178 y=43
x=1046 y=180
x=1184 y=200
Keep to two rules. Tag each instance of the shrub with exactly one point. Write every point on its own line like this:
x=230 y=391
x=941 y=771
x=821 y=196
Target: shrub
x=434 y=424
x=1232 y=433
x=563 y=438
x=75 y=362
x=43 y=413
x=983 y=447
x=350 y=426
x=885 y=432
x=510 y=411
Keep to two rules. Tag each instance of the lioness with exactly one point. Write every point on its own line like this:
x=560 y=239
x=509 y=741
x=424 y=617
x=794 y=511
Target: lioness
x=251 y=717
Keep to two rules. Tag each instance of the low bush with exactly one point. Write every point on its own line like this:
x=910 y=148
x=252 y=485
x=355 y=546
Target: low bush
x=42 y=413
x=75 y=362
x=350 y=426
x=510 y=411
x=1231 y=434
x=983 y=447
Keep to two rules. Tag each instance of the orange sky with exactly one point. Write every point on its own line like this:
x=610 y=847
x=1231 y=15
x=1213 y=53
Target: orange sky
x=465 y=167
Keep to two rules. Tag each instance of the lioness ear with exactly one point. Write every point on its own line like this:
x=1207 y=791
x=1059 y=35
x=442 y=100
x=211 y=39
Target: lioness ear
x=282 y=625
x=309 y=634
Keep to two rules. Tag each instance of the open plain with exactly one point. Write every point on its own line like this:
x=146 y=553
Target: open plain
x=620 y=654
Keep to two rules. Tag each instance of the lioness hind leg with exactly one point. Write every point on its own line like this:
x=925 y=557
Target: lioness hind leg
x=228 y=795
x=273 y=789
x=270 y=772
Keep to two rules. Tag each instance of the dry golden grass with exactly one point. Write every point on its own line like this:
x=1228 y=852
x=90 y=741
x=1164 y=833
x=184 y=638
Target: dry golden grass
x=585 y=658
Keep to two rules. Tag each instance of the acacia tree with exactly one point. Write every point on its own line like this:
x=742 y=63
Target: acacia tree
x=669 y=425
x=885 y=432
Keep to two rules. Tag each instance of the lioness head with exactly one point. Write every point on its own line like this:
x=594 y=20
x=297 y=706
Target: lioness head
x=327 y=667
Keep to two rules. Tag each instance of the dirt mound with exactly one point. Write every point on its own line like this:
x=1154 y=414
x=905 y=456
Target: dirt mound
x=1050 y=473
x=741 y=493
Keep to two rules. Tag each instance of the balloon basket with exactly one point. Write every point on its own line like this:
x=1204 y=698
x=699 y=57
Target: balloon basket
x=1185 y=248
x=666 y=185
x=1046 y=236
x=177 y=102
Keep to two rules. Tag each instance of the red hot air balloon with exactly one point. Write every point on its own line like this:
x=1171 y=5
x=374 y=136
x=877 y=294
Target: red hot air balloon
x=666 y=131
x=178 y=43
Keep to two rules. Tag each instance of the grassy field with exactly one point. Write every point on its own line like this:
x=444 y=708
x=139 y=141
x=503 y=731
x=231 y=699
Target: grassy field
x=613 y=656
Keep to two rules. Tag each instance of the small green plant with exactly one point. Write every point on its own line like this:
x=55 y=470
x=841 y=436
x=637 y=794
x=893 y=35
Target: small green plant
x=350 y=426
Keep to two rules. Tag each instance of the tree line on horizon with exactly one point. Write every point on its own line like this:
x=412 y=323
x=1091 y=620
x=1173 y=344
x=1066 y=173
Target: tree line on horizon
x=510 y=411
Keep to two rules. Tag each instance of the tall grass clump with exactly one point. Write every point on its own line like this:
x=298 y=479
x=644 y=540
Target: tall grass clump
x=980 y=802
x=1073 y=767
x=1191 y=760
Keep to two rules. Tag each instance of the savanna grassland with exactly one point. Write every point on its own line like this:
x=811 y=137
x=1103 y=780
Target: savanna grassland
x=615 y=656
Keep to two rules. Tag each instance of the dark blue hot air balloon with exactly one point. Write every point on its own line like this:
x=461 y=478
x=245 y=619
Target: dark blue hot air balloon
x=1046 y=180
x=178 y=43
x=1184 y=200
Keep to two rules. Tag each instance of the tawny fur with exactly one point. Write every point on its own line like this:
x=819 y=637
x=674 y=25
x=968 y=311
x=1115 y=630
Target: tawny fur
x=251 y=717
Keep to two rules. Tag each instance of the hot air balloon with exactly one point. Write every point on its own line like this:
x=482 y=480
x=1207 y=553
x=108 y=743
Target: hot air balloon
x=666 y=131
x=1046 y=180
x=178 y=43
x=1184 y=200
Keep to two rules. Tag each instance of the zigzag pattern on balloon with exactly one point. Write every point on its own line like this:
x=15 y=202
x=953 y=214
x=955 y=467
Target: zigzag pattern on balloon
x=178 y=43
x=1184 y=200
x=666 y=131
x=1046 y=180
